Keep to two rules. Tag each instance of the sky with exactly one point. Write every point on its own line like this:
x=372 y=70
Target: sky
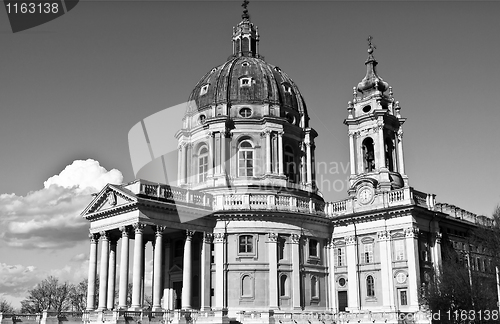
x=71 y=89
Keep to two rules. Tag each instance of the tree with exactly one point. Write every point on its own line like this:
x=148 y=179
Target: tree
x=458 y=288
x=78 y=296
x=5 y=306
x=47 y=295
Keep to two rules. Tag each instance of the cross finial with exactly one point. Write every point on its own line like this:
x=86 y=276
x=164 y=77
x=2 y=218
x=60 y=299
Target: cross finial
x=245 y=10
x=371 y=47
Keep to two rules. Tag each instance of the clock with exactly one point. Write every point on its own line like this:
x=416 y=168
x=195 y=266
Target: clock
x=365 y=195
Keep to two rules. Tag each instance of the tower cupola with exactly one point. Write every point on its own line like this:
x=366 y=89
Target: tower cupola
x=375 y=133
x=371 y=83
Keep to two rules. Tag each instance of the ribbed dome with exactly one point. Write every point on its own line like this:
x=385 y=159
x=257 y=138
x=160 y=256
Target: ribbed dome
x=247 y=80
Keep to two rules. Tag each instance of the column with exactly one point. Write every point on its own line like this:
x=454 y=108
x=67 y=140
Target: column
x=219 y=242
x=103 y=275
x=401 y=163
x=223 y=153
x=294 y=242
x=381 y=146
x=268 y=151
x=166 y=281
x=309 y=163
x=179 y=165
x=157 y=264
x=205 y=271
x=92 y=271
x=123 y=285
x=273 y=270
x=436 y=252
x=352 y=158
x=303 y=172
x=352 y=275
x=280 y=152
x=112 y=274
x=211 y=155
x=384 y=243
x=331 y=274
x=184 y=164
x=413 y=267
x=137 y=267
x=186 y=271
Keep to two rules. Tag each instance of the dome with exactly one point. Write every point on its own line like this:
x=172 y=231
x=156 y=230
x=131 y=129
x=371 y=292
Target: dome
x=247 y=80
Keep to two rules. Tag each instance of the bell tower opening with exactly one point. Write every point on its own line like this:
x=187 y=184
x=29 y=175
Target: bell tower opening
x=368 y=155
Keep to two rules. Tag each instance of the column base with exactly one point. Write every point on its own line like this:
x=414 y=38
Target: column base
x=135 y=308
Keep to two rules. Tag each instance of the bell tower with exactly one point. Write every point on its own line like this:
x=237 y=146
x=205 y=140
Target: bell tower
x=375 y=134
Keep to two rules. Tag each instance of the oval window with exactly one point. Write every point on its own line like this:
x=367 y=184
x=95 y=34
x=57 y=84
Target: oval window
x=245 y=112
x=342 y=282
x=202 y=119
x=367 y=108
x=290 y=118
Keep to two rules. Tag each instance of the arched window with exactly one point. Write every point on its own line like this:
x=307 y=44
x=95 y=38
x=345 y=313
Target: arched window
x=314 y=287
x=389 y=154
x=246 y=286
x=368 y=155
x=289 y=164
x=202 y=164
x=245 y=159
x=283 y=286
x=370 y=286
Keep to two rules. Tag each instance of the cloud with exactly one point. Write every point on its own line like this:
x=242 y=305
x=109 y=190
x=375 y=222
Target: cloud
x=50 y=217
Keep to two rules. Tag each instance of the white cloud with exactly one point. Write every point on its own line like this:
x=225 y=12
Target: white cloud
x=50 y=217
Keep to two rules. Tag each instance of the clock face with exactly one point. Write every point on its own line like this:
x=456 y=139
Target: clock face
x=365 y=195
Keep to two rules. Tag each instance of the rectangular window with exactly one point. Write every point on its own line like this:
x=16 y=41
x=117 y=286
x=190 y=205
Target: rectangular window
x=340 y=257
x=281 y=248
x=245 y=163
x=313 y=248
x=246 y=244
x=399 y=250
x=202 y=168
x=403 y=298
x=368 y=253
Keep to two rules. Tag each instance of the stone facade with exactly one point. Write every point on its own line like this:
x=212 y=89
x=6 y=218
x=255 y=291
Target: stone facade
x=262 y=245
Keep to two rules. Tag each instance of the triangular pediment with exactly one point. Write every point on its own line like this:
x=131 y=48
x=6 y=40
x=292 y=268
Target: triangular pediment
x=109 y=198
x=175 y=268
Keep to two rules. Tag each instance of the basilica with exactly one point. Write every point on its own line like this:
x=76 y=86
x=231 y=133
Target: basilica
x=246 y=236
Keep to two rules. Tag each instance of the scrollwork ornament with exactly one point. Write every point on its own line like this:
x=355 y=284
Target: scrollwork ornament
x=349 y=240
x=104 y=236
x=159 y=230
x=219 y=237
x=411 y=231
x=189 y=234
x=94 y=238
x=383 y=235
x=273 y=237
x=125 y=231
x=295 y=239
x=400 y=135
x=139 y=227
x=208 y=237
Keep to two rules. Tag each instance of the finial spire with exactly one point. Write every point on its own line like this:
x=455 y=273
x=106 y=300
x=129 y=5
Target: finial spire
x=245 y=14
x=371 y=47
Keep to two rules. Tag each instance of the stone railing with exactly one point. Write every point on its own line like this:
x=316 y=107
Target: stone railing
x=393 y=198
x=459 y=213
x=175 y=194
x=279 y=202
x=45 y=317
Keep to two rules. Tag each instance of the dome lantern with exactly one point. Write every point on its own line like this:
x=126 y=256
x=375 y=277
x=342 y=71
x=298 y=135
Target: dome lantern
x=245 y=36
x=371 y=83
